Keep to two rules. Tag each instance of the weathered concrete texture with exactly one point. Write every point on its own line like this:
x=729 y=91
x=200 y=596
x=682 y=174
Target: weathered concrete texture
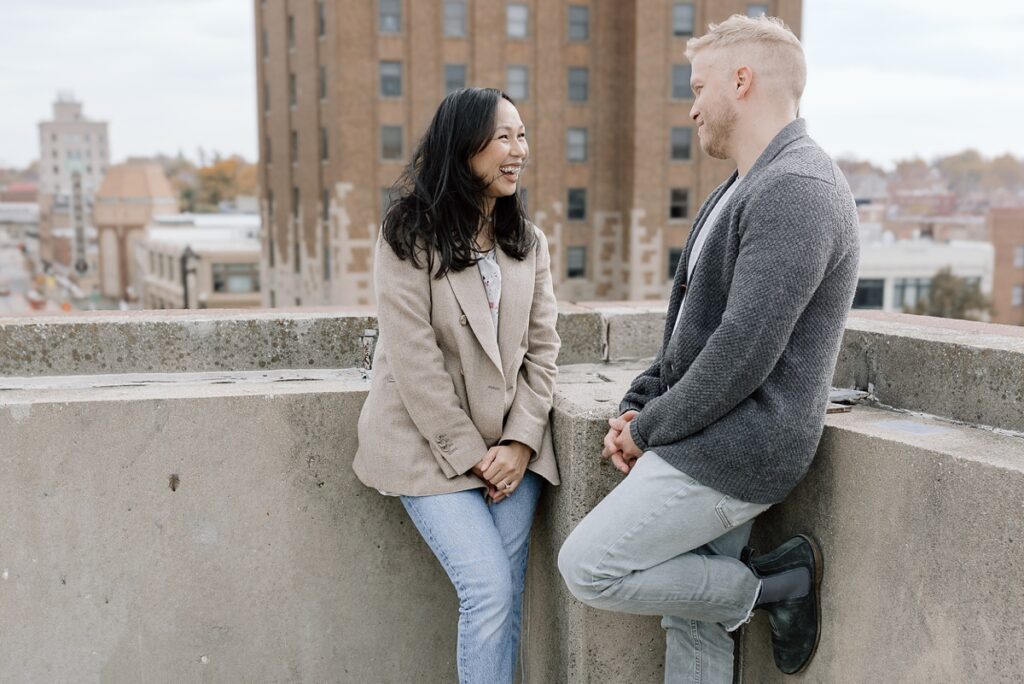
x=583 y=335
x=191 y=341
x=161 y=534
x=566 y=641
x=971 y=372
x=635 y=329
x=170 y=342
x=211 y=529
x=922 y=527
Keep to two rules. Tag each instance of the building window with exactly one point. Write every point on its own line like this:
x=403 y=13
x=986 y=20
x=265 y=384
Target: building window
x=321 y=19
x=757 y=10
x=266 y=97
x=681 y=82
x=681 y=143
x=295 y=202
x=236 y=278
x=454 y=77
x=577 y=204
x=576 y=145
x=295 y=147
x=679 y=203
x=454 y=18
x=674 y=255
x=266 y=149
x=293 y=90
x=518 y=86
x=869 y=294
x=391 y=143
x=323 y=82
x=576 y=262
x=1017 y=300
x=390 y=16
x=518 y=20
x=579 y=78
x=263 y=43
x=325 y=209
x=291 y=31
x=682 y=19
x=325 y=151
x=908 y=292
x=1018 y=257
x=579 y=22
x=391 y=79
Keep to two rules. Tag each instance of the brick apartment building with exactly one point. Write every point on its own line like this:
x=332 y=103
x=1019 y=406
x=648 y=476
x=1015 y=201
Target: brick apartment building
x=346 y=88
x=1006 y=227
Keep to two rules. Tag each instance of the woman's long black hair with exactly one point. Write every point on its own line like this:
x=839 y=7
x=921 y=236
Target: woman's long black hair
x=439 y=200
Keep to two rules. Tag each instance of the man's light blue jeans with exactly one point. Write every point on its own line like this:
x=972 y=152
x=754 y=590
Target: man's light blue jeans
x=483 y=548
x=663 y=544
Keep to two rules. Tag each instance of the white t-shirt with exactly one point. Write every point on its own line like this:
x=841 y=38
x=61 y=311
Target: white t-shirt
x=698 y=244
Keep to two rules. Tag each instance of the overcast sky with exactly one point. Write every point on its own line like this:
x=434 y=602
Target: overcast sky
x=888 y=79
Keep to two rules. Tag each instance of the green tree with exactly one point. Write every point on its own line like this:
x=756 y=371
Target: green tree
x=954 y=297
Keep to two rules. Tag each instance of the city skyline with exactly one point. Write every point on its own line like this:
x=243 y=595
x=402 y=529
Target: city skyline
x=881 y=76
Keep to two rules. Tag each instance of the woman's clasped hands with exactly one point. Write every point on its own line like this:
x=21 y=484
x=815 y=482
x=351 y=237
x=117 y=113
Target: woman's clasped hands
x=503 y=468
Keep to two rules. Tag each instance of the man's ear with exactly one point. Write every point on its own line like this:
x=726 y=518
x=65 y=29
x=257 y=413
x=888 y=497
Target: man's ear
x=742 y=80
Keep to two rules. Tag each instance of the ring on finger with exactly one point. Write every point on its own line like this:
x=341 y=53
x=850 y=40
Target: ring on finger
x=507 y=485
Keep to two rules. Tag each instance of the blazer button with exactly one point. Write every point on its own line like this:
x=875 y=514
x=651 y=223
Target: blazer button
x=463 y=320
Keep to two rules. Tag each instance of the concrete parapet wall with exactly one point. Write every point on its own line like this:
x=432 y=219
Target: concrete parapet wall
x=206 y=526
x=922 y=527
x=189 y=341
x=970 y=372
x=207 y=532
x=211 y=530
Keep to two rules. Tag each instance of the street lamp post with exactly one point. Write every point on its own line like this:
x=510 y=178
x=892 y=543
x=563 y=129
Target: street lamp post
x=185 y=271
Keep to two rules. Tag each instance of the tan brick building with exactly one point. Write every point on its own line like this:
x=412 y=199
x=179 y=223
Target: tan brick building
x=1006 y=226
x=73 y=157
x=346 y=88
x=130 y=195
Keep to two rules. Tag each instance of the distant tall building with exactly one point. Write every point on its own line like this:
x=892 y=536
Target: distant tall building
x=73 y=156
x=130 y=196
x=346 y=87
x=1006 y=227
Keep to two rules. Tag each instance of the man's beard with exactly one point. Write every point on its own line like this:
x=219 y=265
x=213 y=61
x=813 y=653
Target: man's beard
x=718 y=131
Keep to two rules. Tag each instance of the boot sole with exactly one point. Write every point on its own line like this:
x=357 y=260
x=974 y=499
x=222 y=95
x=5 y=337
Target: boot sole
x=819 y=571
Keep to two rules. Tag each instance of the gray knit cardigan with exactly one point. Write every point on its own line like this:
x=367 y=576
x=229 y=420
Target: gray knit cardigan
x=736 y=398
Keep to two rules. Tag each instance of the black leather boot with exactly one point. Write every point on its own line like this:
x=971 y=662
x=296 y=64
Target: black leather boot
x=794 y=612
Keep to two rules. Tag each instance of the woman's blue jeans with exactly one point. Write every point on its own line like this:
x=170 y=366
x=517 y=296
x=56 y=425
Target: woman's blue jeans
x=483 y=548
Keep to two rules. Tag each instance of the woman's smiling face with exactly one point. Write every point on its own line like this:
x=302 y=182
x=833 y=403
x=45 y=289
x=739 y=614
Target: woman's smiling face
x=503 y=158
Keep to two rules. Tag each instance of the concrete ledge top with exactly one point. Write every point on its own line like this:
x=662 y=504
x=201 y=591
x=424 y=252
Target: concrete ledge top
x=145 y=386
x=970 y=372
x=964 y=442
x=969 y=333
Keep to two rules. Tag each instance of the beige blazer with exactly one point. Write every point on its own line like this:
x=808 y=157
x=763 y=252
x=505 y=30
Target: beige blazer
x=445 y=388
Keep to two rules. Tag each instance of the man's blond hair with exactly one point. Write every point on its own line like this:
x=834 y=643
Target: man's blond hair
x=775 y=53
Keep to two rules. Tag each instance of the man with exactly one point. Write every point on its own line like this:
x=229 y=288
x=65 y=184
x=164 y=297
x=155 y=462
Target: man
x=727 y=419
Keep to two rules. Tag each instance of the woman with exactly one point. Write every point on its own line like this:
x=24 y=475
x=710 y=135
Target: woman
x=456 y=422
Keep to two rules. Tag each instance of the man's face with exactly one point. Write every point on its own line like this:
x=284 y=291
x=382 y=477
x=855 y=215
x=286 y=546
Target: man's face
x=713 y=109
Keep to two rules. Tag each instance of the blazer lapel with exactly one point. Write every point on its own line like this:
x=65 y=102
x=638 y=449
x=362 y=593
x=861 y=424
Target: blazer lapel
x=517 y=283
x=469 y=290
